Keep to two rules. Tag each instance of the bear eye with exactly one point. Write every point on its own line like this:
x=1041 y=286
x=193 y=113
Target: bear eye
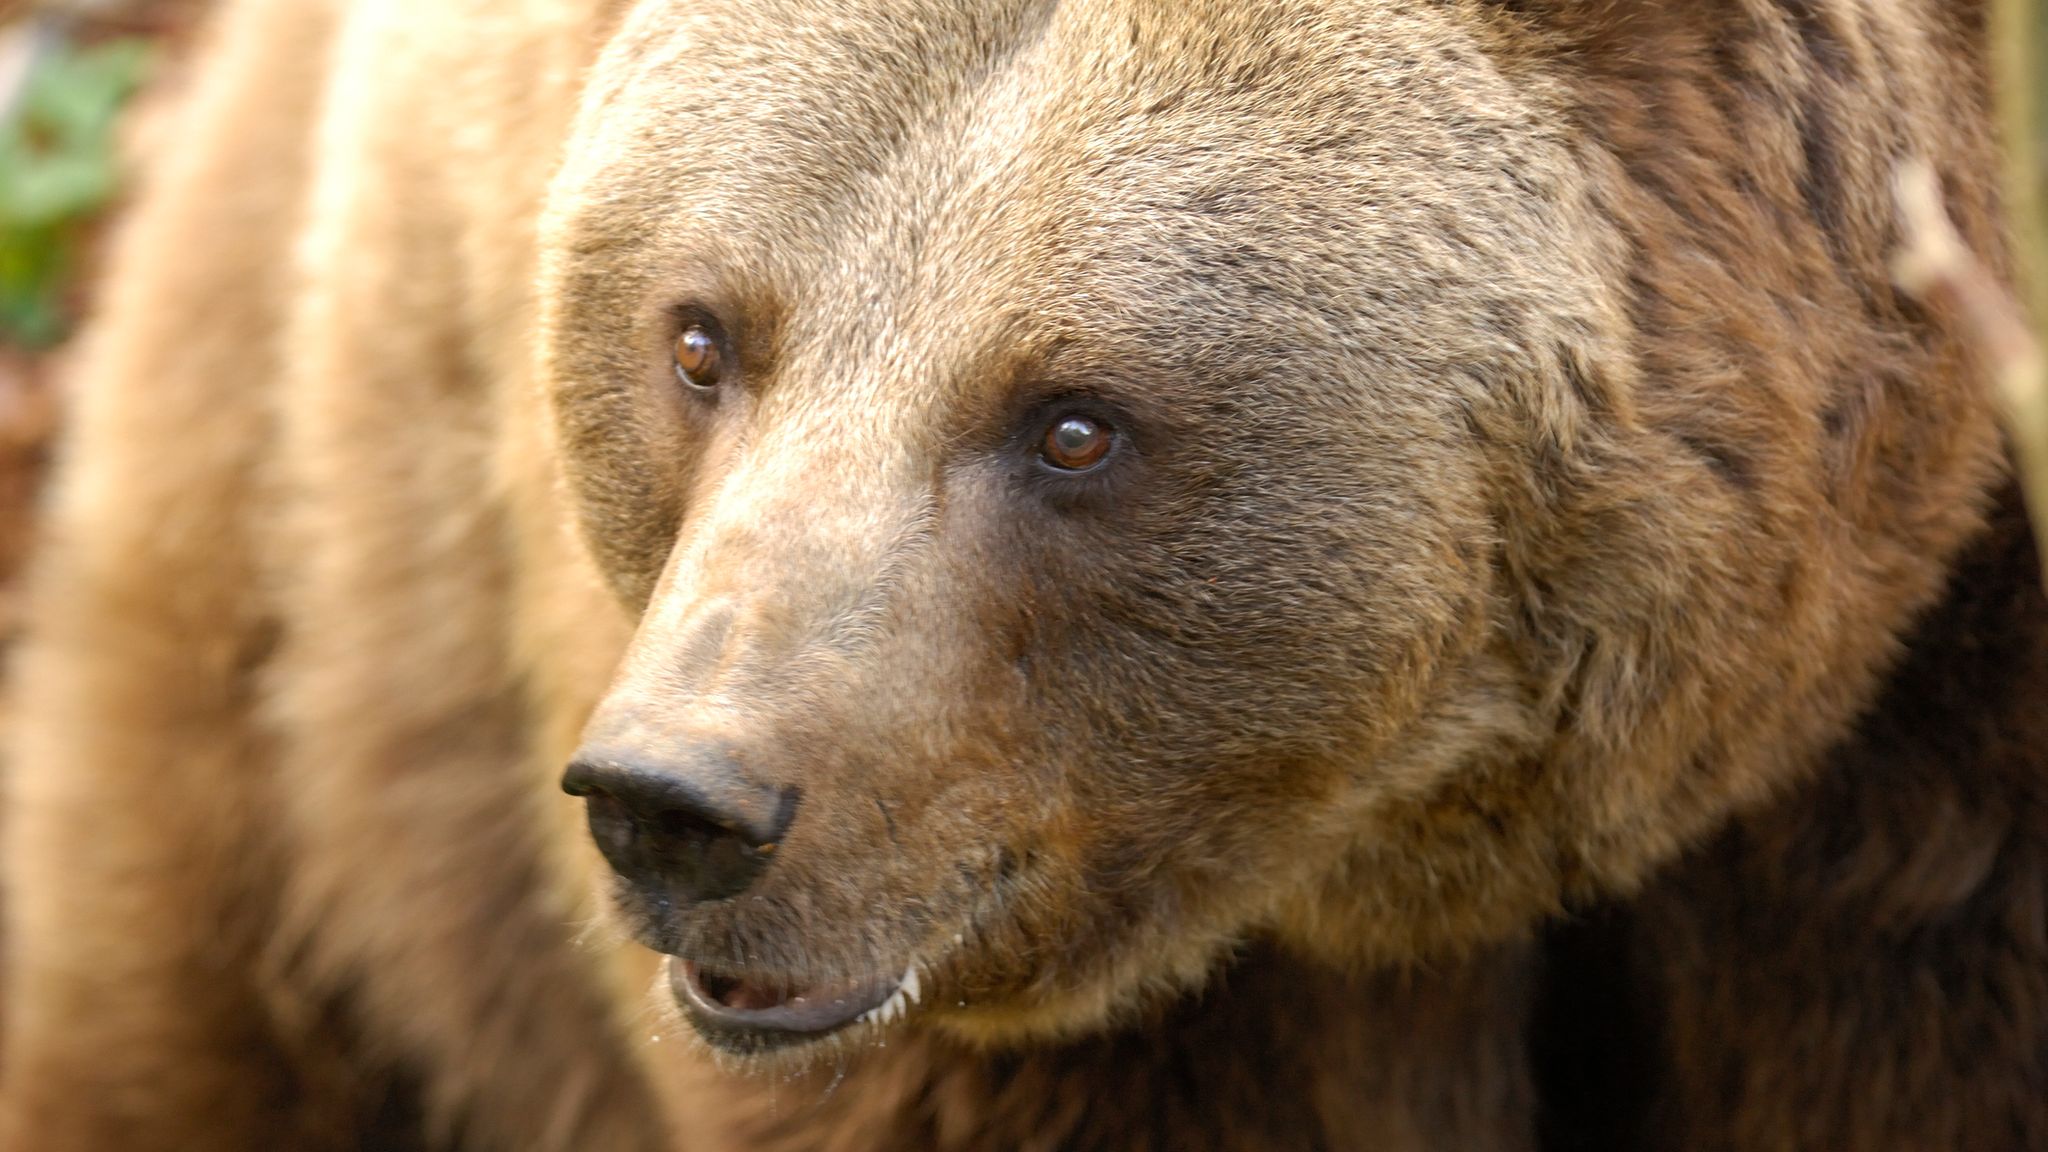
x=1075 y=443
x=699 y=358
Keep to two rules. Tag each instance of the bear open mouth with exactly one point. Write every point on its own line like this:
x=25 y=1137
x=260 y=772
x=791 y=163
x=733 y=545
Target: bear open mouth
x=745 y=1012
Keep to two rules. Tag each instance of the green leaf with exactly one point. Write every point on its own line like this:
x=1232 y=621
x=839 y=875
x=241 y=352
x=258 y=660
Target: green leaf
x=57 y=169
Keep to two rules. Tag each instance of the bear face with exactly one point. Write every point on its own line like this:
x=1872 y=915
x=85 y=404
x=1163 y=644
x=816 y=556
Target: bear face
x=1101 y=482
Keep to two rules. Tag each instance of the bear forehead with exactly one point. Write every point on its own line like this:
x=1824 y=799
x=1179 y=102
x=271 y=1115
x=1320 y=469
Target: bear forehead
x=1106 y=166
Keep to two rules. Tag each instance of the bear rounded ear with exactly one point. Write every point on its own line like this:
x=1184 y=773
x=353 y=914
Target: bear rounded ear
x=1628 y=40
x=1599 y=27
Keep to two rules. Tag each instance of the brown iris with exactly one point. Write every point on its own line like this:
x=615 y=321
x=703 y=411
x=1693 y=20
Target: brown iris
x=700 y=361
x=1075 y=443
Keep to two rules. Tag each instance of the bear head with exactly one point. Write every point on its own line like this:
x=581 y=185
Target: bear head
x=1102 y=481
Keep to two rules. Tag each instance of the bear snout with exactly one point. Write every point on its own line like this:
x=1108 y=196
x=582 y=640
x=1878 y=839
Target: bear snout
x=683 y=829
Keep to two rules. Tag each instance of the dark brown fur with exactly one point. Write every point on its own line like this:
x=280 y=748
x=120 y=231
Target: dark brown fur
x=1875 y=948
x=1535 y=475
x=1199 y=1076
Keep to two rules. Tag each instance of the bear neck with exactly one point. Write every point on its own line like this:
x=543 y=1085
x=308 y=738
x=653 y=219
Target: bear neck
x=1275 y=1053
x=1918 y=850
x=1937 y=802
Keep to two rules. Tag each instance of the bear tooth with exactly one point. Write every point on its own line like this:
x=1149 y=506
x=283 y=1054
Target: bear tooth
x=909 y=988
x=886 y=1011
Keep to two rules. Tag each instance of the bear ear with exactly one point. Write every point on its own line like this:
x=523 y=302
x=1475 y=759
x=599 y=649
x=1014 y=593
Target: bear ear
x=1598 y=27
x=1630 y=40
x=1611 y=29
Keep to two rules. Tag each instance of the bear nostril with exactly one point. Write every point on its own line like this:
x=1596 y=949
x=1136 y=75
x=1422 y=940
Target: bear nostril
x=580 y=780
x=684 y=825
x=679 y=838
x=718 y=860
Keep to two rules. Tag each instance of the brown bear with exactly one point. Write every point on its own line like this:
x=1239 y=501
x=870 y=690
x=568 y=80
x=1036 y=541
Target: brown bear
x=1105 y=574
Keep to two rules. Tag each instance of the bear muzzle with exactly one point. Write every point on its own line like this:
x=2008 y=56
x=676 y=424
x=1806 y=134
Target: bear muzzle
x=691 y=830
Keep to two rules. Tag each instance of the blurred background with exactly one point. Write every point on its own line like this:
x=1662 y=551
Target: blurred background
x=79 y=81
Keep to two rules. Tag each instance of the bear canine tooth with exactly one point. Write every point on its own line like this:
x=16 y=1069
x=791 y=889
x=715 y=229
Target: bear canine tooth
x=888 y=1010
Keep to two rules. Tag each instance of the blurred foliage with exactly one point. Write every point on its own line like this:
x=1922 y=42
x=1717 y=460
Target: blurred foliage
x=2019 y=46
x=57 y=169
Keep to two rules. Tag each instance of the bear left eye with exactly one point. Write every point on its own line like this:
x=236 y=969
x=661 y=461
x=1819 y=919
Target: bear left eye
x=699 y=358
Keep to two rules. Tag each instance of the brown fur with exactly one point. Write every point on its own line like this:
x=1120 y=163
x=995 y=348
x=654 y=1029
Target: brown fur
x=1532 y=475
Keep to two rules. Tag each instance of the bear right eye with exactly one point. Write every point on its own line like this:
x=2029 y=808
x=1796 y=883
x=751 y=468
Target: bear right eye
x=700 y=358
x=1075 y=444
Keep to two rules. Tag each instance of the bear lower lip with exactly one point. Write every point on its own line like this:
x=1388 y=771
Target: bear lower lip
x=740 y=1012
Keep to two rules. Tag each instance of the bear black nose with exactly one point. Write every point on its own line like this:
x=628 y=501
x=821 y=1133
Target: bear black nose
x=681 y=832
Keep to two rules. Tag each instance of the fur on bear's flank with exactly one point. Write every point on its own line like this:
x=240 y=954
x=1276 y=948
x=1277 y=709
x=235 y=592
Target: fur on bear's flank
x=1555 y=663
